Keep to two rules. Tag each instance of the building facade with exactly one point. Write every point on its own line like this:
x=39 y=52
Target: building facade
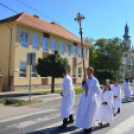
x=127 y=60
x=30 y=34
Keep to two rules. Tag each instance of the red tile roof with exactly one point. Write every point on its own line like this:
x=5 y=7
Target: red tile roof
x=54 y=28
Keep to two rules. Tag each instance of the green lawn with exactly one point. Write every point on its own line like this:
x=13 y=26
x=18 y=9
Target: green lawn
x=78 y=91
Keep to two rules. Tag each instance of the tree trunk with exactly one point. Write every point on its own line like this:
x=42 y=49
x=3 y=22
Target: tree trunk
x=53 y=85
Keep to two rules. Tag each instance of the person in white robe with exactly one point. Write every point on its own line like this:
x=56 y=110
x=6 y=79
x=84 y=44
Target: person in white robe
x=107 y=81
x=68 y=99
x=127 y=89
x=116 y=96
x=86 y=113
x=105 y=113
x=133 y=87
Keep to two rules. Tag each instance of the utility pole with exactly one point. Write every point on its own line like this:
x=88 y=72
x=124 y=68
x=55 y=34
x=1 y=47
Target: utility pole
x=79 y=18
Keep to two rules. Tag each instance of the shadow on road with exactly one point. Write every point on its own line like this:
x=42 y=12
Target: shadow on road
x=128 y=101
x=18 y=95
x=55 y=130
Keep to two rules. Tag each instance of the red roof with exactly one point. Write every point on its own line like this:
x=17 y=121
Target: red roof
x=53 y=28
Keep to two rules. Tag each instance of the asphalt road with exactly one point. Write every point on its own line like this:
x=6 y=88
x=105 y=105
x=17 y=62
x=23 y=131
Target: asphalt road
x=48 y=119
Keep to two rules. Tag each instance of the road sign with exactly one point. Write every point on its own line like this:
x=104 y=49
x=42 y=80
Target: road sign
x=31 y=60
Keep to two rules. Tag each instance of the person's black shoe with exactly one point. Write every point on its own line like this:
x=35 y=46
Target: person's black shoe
x=108 y=124
x=118 y=111
x=71 y=119
x=85 y=131
x=100 y=124
x=89 y=131
x=64 y=125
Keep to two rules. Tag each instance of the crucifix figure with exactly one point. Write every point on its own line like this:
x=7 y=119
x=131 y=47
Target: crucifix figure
x=79 y=18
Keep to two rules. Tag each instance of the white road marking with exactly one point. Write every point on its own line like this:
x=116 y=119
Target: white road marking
x=28 y=123
x=26 y=115
x=123 y=127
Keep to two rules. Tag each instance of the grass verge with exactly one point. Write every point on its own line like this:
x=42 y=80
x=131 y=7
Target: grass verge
x=20 y=103
x=78 y=91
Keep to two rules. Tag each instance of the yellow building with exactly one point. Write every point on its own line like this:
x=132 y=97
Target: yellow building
x=30 y=34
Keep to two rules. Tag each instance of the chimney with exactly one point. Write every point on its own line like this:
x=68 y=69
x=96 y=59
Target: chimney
x=53 y=23
x=36 y=16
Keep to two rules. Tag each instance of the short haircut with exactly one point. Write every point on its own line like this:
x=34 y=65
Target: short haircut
x=115 y=80
x=64 y=71
x=91 y=69
x=107 y=80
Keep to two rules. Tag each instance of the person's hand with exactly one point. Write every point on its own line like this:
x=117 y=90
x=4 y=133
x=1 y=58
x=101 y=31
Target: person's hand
x=104 y=103
x=115 y=97
x=86 y=88
x=61 y=94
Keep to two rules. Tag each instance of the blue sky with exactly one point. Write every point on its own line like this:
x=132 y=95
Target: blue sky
x=104 y=18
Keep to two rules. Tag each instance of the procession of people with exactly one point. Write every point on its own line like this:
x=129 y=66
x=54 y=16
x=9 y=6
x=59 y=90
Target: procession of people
x=95 y=104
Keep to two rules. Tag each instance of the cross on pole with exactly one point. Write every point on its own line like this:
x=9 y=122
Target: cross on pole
x=79 y=18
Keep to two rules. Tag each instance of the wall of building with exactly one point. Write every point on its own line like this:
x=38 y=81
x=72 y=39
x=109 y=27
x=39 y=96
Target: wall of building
x=4 y=50
x=21 y=55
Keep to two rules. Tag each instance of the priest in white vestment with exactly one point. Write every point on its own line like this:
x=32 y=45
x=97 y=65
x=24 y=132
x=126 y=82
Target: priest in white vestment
x=105 y=113
x=68 y=99
x=127 y=89
x=87 y=109
x=116 y=96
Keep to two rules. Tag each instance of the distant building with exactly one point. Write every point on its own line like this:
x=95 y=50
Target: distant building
x=127 y=61
x=31 y=34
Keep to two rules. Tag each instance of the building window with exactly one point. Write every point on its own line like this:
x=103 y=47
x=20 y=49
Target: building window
x=34 y=72
x=61 y=49
x=23 y=67
x=35 y=43
x=79 y=72
x=74 y=72
x=53 y=46
x=74 y=51
x=85 y=54
x=79 y=53
x=124 y=60
x=45 y=45
x=24 y=40
x=68 y=50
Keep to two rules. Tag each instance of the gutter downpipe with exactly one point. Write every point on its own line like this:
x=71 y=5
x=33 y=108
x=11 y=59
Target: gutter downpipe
x=9 y=59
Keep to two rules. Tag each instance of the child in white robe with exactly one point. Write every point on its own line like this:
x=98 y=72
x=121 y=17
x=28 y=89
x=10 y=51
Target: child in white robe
x=116 y=96
x=107 y=81
x=105 y=113
x=127 y=89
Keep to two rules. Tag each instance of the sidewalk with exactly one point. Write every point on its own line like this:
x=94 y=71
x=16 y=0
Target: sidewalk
x=24 y=91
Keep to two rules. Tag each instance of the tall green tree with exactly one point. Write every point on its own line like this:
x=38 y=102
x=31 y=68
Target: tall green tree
x=52 y=66
x=106 y=56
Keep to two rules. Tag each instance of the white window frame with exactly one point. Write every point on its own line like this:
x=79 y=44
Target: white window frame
x=79 y=50
x=74 y=51
x=34 y=73
x=61 y=49
x=22 y=72
x=43 y=44
x=74 y=72
x=85 y=56
x=53 y=41
x=22 y=33
x=69 y=50
x=35 y=44
x=79 y=73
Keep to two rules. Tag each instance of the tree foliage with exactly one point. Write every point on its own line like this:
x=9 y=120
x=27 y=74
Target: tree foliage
x=52 y=66
x=106 y=56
